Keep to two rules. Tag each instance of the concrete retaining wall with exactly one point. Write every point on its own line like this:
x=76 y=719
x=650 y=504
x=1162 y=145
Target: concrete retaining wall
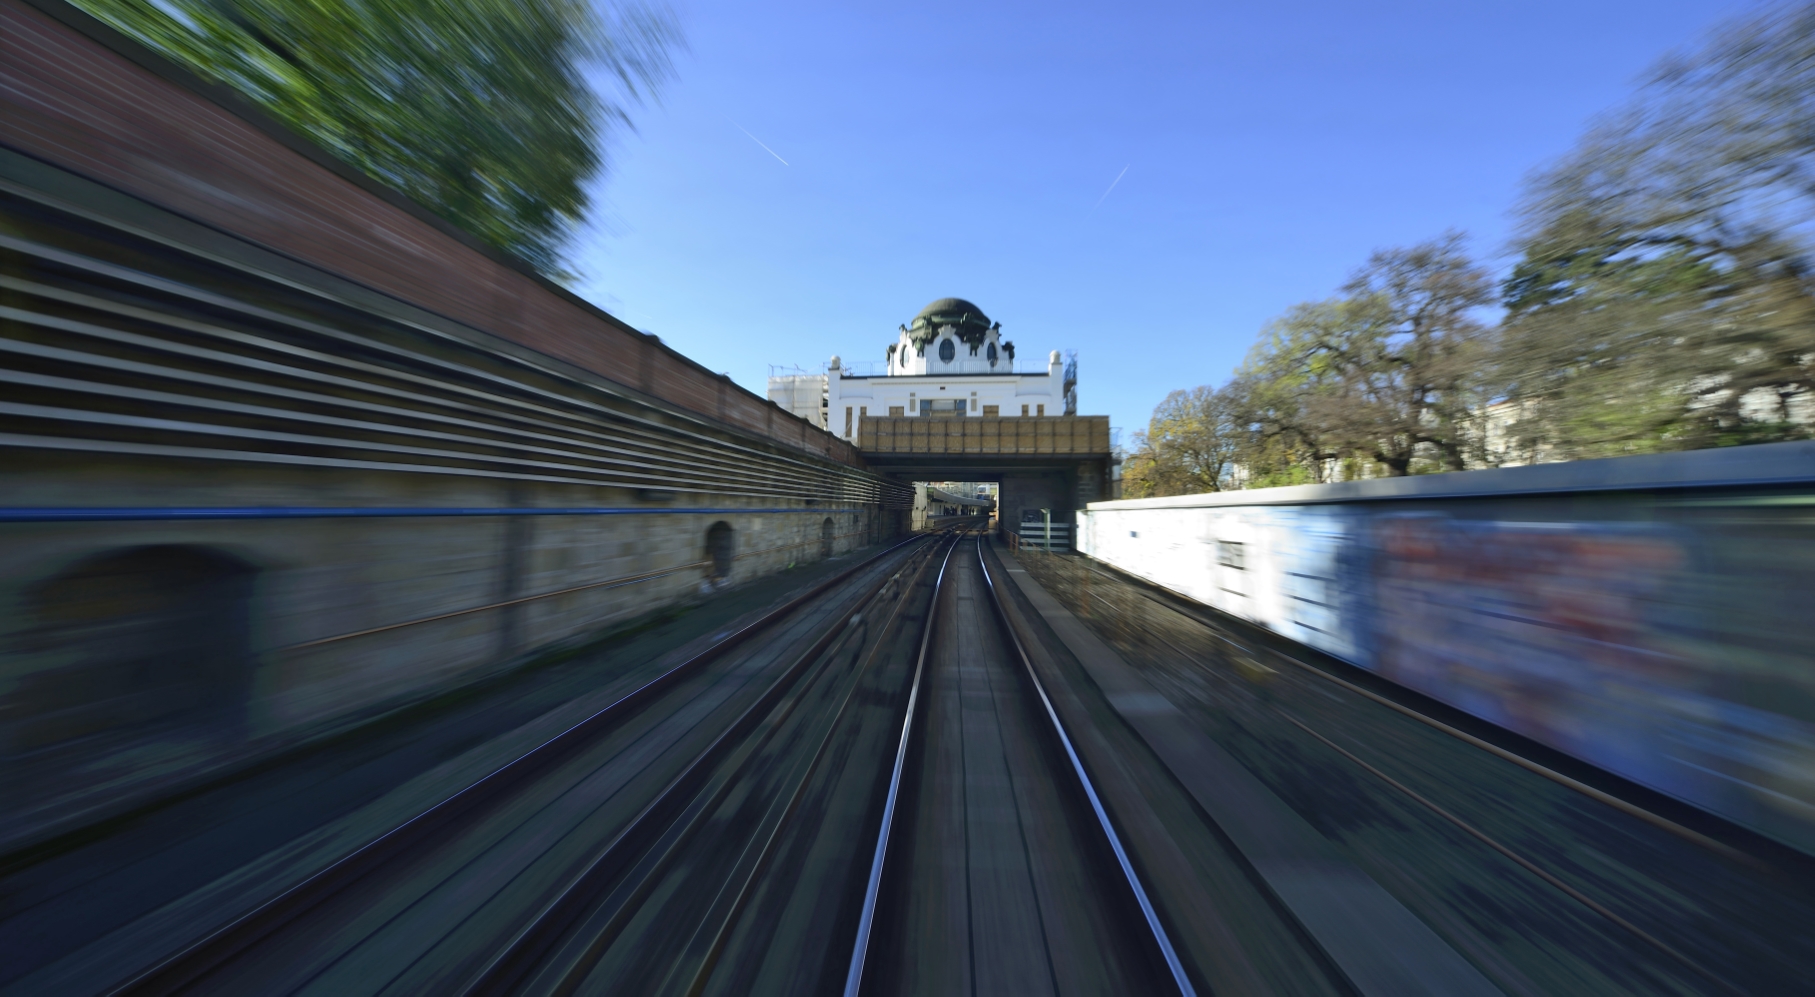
x=344 y=617
x=1648 y=615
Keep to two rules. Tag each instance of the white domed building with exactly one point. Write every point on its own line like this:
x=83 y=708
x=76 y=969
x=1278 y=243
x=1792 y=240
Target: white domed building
x=947 y=404
x=951 y=362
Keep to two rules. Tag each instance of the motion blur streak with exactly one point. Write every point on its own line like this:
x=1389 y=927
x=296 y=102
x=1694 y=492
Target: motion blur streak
x=1657 y=631
x=445 y=634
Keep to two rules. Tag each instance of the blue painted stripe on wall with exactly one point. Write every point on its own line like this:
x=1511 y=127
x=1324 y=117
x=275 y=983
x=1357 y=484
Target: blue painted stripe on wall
x=105 y=513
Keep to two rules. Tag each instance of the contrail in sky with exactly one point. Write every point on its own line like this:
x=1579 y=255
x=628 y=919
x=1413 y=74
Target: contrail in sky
x=784 y=162
x=1112 y=183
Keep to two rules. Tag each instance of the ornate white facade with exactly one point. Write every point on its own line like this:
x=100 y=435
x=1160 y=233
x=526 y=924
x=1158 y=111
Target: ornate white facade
x=952 y=362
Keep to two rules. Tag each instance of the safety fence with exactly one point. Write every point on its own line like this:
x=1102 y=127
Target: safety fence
x=1031 y=535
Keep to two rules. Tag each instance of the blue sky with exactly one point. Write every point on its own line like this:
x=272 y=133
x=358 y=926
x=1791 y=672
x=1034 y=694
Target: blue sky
x=964 y=149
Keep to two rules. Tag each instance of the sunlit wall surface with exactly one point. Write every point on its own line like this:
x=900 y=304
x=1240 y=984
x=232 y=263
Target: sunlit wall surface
x=1661 y=633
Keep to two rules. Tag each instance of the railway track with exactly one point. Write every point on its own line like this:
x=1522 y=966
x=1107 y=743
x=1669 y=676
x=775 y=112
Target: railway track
x=384 y=916
x=975 y=887
x=897 y=782
x=883 y=786
x=658 y=908
x=1688 y=959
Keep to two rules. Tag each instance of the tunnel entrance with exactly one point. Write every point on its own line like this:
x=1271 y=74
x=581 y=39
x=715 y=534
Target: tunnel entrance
x=721 y=549
x=137 y=640
x=939 y=504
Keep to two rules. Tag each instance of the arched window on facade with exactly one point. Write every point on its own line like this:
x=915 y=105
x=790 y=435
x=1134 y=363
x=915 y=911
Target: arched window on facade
x=721 y=548
x=137 y=640
x=947 y=351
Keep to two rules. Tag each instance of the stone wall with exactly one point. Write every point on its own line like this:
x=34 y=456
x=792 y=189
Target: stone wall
x=260 y=480
x=142 y=653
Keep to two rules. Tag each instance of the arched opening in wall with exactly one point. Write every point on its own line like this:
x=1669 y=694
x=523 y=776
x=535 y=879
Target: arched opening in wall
x=721 y=549
x=826 y=532
x=133 y=642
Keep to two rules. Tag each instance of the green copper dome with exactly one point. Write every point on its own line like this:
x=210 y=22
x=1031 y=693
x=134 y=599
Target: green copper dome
x=952 y=311
x=966 y=319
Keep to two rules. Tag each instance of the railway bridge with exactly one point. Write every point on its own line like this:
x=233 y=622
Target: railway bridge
x=1047 y=468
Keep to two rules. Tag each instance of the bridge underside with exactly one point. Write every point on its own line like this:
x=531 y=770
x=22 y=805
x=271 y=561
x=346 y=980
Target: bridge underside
x=1047 y=466
x=1057 y=483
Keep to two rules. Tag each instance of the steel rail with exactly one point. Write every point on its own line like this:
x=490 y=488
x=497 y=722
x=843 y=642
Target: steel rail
x=1468 y=828
x=1158 y=930
x=866 y=920
x=176 y=971
x=529 y=950
x=709 y=962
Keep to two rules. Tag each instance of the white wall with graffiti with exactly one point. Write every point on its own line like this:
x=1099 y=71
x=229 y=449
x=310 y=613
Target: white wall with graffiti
x=1654 y=616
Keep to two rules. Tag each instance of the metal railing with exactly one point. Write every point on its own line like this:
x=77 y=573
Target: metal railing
x=114 y=342
x=1031 y=535
x=880 y=368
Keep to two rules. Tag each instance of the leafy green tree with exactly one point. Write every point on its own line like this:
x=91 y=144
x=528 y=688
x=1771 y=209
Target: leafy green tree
x=1191 y=446
x=1279 y=446
x=1389 y=374
x=484 y=111
x=1664 y=299
x=1273 y=387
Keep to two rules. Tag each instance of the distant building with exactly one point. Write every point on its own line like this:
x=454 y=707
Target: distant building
x=936 y=506
x=802 y=394
x=946 y=404
x=951 y=362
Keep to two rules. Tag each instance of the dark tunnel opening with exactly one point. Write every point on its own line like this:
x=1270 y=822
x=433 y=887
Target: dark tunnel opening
x=136 y=641
x=721 y=548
